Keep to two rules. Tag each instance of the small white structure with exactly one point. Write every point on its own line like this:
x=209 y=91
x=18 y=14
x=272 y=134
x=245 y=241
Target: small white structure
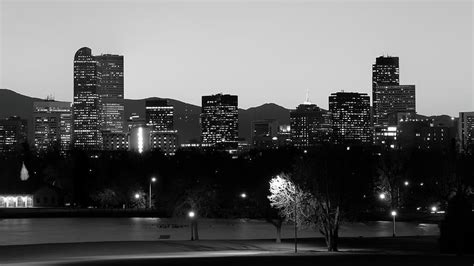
x=16 y=201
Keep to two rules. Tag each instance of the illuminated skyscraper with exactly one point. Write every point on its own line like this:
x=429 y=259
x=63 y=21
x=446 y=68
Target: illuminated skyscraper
x=86 y=107
x=390 y=100
x=385 y=71
x=466 y=131
x=52 y=125
x=219 y=120
x=309 y=126
x=111 y=92
x=350 y=112
x=159 y=115
x=13 y=132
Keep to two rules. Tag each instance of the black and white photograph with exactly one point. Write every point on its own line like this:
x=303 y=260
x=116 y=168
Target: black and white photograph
x=237 y=132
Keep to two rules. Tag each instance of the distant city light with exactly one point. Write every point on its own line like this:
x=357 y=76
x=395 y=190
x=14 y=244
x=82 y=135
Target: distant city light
x=140 y=140
x=243 y=195
x=191 y=214
x=418 y=208
x=406 y=183
x=421 y=184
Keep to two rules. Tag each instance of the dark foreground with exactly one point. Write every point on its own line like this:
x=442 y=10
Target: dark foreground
x=353 y=251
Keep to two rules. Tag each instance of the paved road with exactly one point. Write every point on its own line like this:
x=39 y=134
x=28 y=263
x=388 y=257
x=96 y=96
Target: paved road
x=353 y=251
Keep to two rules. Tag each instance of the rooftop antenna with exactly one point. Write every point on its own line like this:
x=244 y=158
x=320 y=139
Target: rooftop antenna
x=307 y=97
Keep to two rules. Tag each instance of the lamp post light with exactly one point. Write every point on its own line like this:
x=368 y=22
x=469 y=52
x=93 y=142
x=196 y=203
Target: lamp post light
x=394 y=213
x=194 y=233
x=243 y=195
x=434 y=209
x=152 y=180
x=382 y=196
x=137 y=196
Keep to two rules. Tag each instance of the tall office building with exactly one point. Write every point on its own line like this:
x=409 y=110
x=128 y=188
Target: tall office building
x=13 y=132
x=308 y=125
x=159 y=114
x=111 y=92
x=350 y=112
x=87 y=105
x=385 y=71
x=466 y=131
x=390 y=100
x=52 y=125
x=219 y=120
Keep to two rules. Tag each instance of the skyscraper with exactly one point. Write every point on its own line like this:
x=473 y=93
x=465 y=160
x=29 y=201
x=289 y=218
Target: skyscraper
x=87 y=105
x=52 y=125
x=390 y=100
x=13 y=132
x=385 y=71
x=159 y=114
x=466 y=131
x=111 y=92
x=219 y=120
x=350 y=112
x=308 y=126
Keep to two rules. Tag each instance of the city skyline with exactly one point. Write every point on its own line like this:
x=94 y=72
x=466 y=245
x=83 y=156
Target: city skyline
x=327 y=60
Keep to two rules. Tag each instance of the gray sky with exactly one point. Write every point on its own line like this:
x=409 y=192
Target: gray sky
x=263 y=51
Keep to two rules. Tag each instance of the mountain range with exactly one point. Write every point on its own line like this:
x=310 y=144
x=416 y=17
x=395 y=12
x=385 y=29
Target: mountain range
x=186 y=116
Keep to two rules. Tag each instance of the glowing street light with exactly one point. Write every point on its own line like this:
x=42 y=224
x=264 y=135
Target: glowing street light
x=137 y=196
x=394 y=213
x=243 y=195
x=152 y=180
x=382 y=196
x=194 y=231
x=434 y=209
x=406 y=183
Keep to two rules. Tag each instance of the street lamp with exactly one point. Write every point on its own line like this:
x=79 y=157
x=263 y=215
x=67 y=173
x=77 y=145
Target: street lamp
x=406 y=183
x=152 y=180
x=137 y=196
x=382 y=196
x=194 y=233
x=243 y=195
x=394 y=213
x=434 y=209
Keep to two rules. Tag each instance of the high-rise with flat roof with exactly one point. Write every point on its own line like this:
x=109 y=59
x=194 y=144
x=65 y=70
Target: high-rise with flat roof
x=219 y=120
x=52 y=125
x=111 y=92
x=13 y=131
x=159 y=114
x=466 y=131
x=350 y=112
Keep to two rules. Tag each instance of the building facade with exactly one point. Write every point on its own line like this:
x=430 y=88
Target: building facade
x=87 y=103
x=350 y=112
x=111 y=92
x=13 y=132
x=52 y=125
x=219 y=120
x=264 y=133
x=386 y=71
x=466 y=131
x=309 y=126
x=159 y=115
